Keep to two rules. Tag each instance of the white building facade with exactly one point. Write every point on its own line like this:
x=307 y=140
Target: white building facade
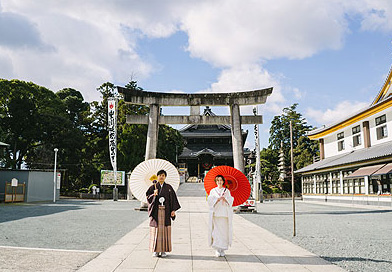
x=355 y=156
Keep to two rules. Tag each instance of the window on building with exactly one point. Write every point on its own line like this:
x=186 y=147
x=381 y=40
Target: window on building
x=356 y=129
x=381 y=120
x=356 y=135
x=340 y=145
x=356 y=140
x=382 y=132
x=340 y=135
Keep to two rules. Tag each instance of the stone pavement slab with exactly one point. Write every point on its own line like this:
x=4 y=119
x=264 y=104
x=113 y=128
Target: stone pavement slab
x=253 y=249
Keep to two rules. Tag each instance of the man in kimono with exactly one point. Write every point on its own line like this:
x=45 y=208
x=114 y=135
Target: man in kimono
x=162 y=207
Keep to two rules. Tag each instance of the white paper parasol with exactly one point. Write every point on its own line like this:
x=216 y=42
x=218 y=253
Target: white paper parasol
x=145 y=172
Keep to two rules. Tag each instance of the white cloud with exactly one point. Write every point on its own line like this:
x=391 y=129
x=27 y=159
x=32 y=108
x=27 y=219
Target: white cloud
x=376 y=14
x=243 y=78
x=6 y=67
x=88 y=48
x=16 y=31
x=342 y=110
x=231 y=32
x=85 y=43
x=297 y=93
x=248 y=78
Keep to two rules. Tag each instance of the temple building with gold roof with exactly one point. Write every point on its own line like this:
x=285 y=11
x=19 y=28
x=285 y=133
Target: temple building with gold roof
x=355 y=163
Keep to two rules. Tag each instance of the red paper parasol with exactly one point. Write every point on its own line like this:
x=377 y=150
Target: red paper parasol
x=236 y=182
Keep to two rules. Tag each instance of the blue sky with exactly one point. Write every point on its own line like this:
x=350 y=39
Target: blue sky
x=331 y=57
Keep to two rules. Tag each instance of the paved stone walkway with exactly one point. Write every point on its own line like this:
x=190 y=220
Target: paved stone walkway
x=253 y=249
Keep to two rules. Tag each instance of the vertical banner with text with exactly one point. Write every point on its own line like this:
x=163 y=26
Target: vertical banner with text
x=112 y=128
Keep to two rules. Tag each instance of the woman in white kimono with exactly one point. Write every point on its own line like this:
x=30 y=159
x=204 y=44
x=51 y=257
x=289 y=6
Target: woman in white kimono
x=220 y=230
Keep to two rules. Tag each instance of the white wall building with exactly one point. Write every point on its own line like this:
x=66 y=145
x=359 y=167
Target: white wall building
x=355 y=156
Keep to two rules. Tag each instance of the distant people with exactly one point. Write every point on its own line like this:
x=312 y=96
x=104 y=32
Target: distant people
x=220 y=230
x=162 y=207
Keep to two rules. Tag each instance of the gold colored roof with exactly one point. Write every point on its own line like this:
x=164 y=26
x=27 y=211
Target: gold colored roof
x=385 y=91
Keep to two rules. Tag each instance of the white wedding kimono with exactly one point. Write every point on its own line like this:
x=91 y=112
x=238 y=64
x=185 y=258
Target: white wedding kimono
x=220 y=230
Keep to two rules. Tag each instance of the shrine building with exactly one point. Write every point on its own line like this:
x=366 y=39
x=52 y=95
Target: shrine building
x=207 y=146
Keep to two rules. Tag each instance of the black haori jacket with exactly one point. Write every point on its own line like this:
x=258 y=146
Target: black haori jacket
x=171 y=203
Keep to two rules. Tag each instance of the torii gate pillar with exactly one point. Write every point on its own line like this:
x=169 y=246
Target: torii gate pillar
x=152 y=133
x=236 y=137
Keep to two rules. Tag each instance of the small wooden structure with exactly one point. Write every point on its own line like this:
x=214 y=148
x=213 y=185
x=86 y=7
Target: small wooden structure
x=15 y=193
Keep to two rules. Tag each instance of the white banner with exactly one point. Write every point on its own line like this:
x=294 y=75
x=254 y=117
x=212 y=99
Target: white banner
x=58 y=180
x=112 y=128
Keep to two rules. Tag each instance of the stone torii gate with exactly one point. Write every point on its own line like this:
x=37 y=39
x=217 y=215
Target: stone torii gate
x=234 y=100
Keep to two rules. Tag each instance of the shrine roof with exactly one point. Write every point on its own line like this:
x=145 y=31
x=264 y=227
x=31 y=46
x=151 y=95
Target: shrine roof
x=211 y=130
x=196 y=151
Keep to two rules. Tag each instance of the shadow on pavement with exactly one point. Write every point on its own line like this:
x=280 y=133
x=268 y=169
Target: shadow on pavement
x=353 y=259
x=17 y=211
x=311 y=260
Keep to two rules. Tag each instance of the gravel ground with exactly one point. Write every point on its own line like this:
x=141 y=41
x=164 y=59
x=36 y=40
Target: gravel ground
x=74 y=224
x=356 y=239
x=68 y=224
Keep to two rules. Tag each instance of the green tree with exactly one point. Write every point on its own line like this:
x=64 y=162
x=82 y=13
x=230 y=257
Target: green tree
x=304 y=148
x=280 y=128
x=74 y=146
x=76 y=108
x=280 y=133
x=31 y=117
x=269 y=164
x=170 y=143
x=304 y=152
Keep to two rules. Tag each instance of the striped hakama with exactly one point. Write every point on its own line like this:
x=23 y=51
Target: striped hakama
x=160 y=237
